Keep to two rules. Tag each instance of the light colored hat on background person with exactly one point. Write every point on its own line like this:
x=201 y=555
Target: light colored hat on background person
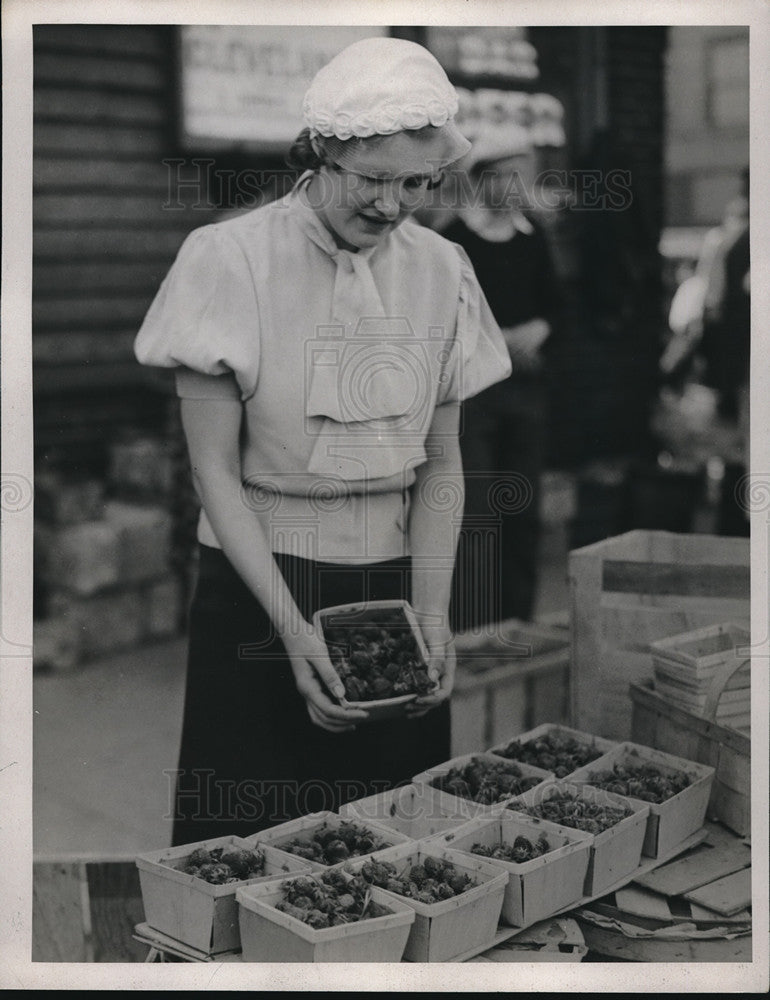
x=380 y=87
x=495 y=143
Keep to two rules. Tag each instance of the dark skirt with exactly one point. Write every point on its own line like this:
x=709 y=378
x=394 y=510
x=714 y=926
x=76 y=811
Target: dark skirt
x=250 y=756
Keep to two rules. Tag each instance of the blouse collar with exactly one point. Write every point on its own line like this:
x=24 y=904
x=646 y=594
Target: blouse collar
x=314 y=227
x=497 y=228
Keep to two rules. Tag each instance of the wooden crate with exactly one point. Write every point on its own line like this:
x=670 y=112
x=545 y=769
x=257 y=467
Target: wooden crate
x=685 y=666
x=537 y=888
x=303 y=829
x=511 y=675
x=598 y=744
x=616 y=852
x=193 y=911
x=409 y=810
x=268 y=935
x=669 y=822
x=656 y=722
x=631 y=590
x=455 y=806
x=452 y=927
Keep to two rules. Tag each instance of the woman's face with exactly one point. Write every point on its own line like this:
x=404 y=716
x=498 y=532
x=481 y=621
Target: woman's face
x=508 y=184
x=372 y=194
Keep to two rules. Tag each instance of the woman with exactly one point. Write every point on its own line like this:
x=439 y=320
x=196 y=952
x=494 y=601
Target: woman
x=322 y=345
x=504 y=429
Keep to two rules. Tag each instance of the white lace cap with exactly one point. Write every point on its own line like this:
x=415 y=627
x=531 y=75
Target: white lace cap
x=379 y=86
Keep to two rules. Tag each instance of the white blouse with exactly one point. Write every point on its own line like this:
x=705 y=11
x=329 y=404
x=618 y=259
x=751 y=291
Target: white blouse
x=339 y=360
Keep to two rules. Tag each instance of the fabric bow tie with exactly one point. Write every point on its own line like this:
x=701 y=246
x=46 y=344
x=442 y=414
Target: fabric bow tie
x=367 y=374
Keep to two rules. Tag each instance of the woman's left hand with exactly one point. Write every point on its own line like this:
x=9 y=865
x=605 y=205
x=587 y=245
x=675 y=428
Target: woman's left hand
x=441 y=668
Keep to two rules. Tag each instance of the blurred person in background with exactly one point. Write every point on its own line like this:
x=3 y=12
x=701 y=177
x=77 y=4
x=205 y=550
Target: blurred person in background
x=727 y=348
x=726 y=310
x=503 y=439
x=710 y=320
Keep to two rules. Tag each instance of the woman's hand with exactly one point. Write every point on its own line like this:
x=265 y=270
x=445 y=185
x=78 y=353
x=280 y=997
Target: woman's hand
x=314 y=675
x=442 y=662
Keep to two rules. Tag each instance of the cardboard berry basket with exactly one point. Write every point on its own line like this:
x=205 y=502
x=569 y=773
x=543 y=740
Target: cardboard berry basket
x=194 y=911
x=615 y=852
x=393 y=613
x=269 y=935
x=409 y=809
x=451 y=927
x=536 y=888
x=596 y=745
x=302 y=829
x=457 y=806
x=673 y=820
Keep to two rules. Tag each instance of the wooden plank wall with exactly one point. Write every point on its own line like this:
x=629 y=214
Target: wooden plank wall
x=103 y=124
x=86 y=912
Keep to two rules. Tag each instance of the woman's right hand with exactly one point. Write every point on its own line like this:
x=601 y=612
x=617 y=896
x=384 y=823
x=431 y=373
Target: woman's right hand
x=314 y=676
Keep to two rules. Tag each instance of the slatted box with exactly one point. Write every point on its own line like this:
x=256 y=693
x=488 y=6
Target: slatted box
x=632 y=590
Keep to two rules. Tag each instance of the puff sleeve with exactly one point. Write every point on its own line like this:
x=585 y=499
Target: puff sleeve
x=204 y=321
x=478 y=357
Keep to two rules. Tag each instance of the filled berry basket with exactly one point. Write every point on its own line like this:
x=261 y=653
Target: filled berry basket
x=189 y=892
x=326 y=840
x=457 y=899
x=677 y=791
x=554 y=748
x=328 y=917
x=546 y=864
x=616 y=824
x=379 y=652
x=477 y=784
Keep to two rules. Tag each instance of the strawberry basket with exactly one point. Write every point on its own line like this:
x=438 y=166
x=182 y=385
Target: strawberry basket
x=408 y=809
x=477 y=783
x=326 y=840
x=554 y=748
x=547 y=864
x=198 y=913
x=616 y=824
x=676 y=790
x=466 y=920
x=270 y=935
x=379 y=652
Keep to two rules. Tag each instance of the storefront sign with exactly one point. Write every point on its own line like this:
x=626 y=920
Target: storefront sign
x=493 y=51
x=243 y=85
